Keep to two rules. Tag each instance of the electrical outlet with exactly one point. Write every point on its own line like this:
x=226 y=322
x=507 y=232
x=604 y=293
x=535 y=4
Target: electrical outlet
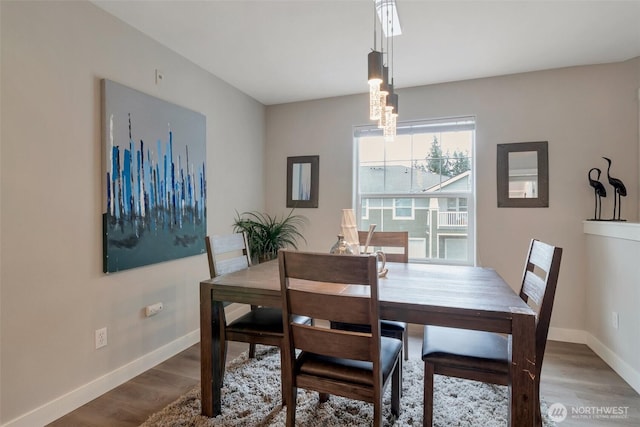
x=615 y=320
x=101 y=337
x=153 y=309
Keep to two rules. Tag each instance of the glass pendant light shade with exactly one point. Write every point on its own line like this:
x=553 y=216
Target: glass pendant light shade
x=374 y=101
x=390 y=128
x=375 y=80
x=383 y=105
x=385 y=89
x=384 y=123
x=391 y=115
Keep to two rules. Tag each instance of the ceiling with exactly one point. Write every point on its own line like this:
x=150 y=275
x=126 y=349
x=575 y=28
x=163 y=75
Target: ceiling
x=285 y=51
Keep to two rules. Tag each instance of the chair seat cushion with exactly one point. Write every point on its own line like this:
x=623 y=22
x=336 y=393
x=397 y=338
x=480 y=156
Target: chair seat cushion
x=262 y=320
x=465 y=348
x=355 y=371
x=393 y=325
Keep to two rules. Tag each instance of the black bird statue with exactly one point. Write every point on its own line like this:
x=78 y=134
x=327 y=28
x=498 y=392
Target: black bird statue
x=620 y=191
x=599 y=192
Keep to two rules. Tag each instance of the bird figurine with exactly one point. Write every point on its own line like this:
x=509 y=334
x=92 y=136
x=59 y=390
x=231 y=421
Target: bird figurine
x=599 y=192
x=619 y=191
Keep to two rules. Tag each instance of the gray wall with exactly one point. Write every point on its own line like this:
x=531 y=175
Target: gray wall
x=613 y=251
x=584 y=112
x=53 y=292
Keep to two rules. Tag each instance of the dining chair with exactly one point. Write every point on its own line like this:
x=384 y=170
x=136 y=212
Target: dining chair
x=384 y=240
x=484 y=356
x=262 y=325
x=351 y=364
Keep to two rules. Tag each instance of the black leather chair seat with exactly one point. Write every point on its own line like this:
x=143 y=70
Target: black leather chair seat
x=262 y=320
x=464 y=347
x=347 y=369
x=393 y=325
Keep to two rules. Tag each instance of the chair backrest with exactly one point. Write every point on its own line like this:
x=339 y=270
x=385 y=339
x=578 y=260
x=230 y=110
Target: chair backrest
x=227 y=253
x=388 y=239
x=311 y=284
x=539 y=281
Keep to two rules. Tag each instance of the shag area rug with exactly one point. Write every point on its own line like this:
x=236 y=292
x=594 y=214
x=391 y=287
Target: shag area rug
x=251 y=397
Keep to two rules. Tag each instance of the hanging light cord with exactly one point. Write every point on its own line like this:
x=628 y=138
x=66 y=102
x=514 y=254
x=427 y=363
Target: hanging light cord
x=392 y=52
x=387 y=26
x=375 y=35
x=381 y=36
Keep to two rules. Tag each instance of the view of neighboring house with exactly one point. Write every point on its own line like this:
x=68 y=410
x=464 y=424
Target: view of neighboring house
x=437 y=223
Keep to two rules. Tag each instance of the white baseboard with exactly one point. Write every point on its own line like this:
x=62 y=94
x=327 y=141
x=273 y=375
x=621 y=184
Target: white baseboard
x=71 y=401
x=66 y=403
x=630 y=375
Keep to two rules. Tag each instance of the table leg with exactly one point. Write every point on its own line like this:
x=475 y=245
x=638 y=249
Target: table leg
x=210 y=371
x=522 y=355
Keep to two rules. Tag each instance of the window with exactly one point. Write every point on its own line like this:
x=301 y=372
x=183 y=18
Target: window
x=403 y=208
x=421 y=182
x=457 y=204
x=364 y=209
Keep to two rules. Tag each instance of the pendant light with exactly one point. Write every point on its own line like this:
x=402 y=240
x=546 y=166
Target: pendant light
x=383 y=102
x=375 y=61
x=391 y=106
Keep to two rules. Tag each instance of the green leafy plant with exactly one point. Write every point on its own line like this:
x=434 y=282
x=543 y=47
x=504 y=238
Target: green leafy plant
x=266 y=234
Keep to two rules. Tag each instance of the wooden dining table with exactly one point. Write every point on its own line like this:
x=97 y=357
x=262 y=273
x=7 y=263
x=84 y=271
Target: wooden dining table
x=454 y=296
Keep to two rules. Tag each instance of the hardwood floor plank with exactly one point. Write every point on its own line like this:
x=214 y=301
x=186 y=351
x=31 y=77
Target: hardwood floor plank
x=572 y=375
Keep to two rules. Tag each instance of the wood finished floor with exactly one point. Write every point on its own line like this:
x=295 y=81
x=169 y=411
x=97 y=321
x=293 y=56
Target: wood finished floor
x=572 y=375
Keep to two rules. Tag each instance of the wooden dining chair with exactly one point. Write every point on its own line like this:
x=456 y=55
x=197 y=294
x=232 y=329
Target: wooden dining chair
x=398 y=241
x=383 y=240
x=484 y=356
x=262 y=325
x=354 y=365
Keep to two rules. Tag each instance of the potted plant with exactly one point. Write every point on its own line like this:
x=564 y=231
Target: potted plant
x=266 y=234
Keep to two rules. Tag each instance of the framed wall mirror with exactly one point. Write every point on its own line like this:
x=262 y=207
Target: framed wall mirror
x=523 y=175
x=302 y=181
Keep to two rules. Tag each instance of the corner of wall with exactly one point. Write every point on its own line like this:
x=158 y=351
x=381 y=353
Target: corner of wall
x=638 y=102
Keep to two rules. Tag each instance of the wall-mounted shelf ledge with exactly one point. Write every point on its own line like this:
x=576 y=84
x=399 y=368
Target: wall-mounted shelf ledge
x=618 y=230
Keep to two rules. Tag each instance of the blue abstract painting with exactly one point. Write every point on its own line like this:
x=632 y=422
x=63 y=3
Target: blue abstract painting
x=154 y=181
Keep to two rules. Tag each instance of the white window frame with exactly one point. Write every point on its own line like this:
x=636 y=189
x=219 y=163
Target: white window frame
x=411 y=216
x=364 y=211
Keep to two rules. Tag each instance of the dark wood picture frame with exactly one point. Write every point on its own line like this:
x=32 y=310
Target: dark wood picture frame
x=541 y=150
x=302 y=181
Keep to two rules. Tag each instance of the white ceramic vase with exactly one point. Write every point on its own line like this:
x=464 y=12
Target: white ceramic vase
x=349 y=229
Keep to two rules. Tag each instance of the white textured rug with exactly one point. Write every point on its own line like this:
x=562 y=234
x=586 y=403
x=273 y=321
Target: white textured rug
x=251 y=397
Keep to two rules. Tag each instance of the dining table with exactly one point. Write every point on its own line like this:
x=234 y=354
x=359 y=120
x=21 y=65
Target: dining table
x=456 y=296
